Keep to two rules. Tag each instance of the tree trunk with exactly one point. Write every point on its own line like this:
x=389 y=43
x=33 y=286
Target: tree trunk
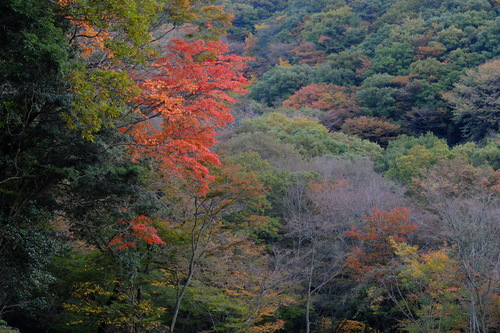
x=192 y=266
x=309 y=294
x=195 y=248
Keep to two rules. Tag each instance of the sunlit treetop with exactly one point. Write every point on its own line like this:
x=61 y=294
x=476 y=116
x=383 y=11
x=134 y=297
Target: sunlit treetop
x=111 y=37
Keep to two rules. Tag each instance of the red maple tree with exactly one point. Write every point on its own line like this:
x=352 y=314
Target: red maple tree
x=185 y=98
x=136 y=230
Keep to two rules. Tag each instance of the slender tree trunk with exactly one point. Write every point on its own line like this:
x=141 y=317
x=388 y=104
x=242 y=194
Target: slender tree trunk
x=195 y=246
x=192 y=266
x=309 y=294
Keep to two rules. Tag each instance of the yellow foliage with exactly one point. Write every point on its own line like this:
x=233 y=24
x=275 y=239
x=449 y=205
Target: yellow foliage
x=353 y=326
x=267 y=327
x=261 y=26
x=267 y=311
x=284 y=63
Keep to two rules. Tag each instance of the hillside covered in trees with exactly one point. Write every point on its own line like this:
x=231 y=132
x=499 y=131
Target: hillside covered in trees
x=327 y=166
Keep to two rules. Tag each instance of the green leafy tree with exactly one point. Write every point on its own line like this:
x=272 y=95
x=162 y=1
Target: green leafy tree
x=33 y=58
x=307 y=136
x=334 y=30
x=280 y=82
x=476 y=100
x=416 y=162
x=429 y=69
x=485 y=153
x=404 y=143
x=393 y=59
x=370 y=10
x=488 y=40
x=379 y=102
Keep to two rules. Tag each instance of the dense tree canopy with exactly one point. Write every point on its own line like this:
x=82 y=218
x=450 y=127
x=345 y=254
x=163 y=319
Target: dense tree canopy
x=475 y=100
x=355 y=188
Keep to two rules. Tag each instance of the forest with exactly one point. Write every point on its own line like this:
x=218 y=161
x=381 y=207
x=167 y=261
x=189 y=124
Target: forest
x=234 y=166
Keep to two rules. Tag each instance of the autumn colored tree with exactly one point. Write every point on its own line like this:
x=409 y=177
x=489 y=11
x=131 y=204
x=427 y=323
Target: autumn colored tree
x=311 y=96
x=239 y=286
x=336 y=101
x=465 y=201
x=319 y=216
x=184 y=100
x=199 y=214
x=115 y=221
x=111 y=37
x=374 y=249
x=97 y=300
x=308 y=53
x=373 y=129
x=117 y=213
x=67 y=68
x=428 y=289
x=369 y=263
x=425 y=51
x=108 y=37
x=138 y=262
x=139 y=229
x=349 y=326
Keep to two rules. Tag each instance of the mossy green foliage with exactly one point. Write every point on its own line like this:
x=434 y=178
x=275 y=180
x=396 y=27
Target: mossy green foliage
x=306 y=136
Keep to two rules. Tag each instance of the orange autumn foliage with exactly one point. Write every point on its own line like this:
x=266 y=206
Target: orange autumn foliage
x=321 y=96
x=495 y=182
x=338 y=103
x=184 y=100
x=137 y=229
x=309 y=54
x=374 y=249
x=372 y=128
x=422 y=52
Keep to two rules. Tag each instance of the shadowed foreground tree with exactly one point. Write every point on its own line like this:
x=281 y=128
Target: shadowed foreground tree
x=67 y=176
